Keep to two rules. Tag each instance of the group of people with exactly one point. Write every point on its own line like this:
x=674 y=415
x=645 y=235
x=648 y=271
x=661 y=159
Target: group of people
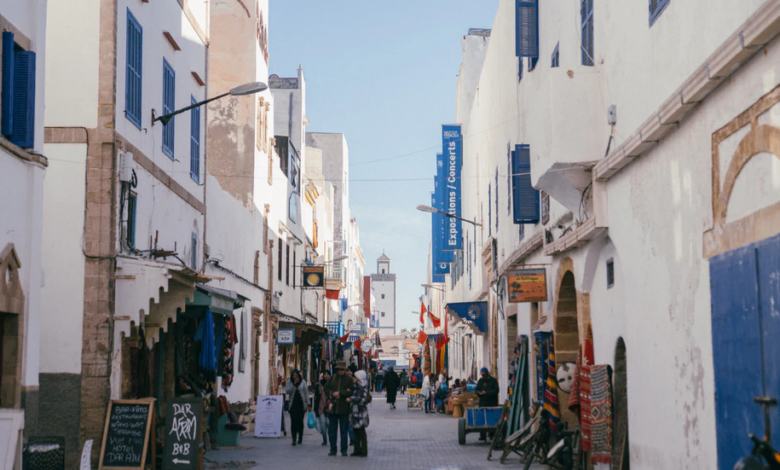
x=340 y=406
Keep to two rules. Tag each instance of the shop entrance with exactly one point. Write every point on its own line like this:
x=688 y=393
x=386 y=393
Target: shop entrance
x=567 y=338
x=745 y=293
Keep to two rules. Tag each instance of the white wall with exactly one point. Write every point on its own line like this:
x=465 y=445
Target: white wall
x=62 y=296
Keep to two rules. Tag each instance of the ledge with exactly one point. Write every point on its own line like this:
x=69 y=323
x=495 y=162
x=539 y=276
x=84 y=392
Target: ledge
x=735 y=51
x=22 y=153
x=533 y=243
x=580 y=236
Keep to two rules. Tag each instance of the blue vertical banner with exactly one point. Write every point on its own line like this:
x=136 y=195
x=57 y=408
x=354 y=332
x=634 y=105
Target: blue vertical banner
x=452 y=149
x=441 y=258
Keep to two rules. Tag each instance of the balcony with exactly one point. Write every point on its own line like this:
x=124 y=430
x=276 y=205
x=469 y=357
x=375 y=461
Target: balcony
x=570 y=121
x=360 y=329
x=335 y=329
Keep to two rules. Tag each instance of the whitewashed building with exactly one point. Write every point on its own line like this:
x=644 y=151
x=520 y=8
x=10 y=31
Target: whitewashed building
x=646 y=215
x=384 y=285
x=22 y=169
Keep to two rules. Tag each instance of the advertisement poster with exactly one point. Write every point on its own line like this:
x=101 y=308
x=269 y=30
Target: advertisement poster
x=527 y=285
x=268 y=419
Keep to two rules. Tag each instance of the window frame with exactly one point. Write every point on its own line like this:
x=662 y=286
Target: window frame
x=660 y=6
x=130 y=110
x=169 y=106
x=132 y=210
x=587 y=44
x=195 y=131
x=555 y=58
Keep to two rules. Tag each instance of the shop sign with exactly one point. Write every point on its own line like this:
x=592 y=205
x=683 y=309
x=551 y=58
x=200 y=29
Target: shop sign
x=527 y=285
x=285 y=336
x=268 y=418
x=313 y=277
x=183 y=434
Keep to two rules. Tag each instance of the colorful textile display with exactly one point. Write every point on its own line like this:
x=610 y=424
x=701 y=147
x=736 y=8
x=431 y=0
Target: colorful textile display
x=551 y=390
x=601 y=413
x=574 y=395
x=207 y=360
x=228 y=345
x=585 y=391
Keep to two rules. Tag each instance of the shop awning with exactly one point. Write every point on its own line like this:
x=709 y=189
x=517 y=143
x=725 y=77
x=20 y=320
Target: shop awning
x=475 y=314
x=217 y=300
x=306 y=334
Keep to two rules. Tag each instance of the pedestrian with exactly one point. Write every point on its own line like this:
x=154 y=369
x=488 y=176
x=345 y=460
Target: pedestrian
x=358 y=417
x=353 y=367
x=487 y=391
x=380 y=379
x=443 y=377
x=404 y=381
x=297 y=395
x=320 y=405
x=417 y=378
x=373 y=379
x=391 y=385
x=339 y=389
x=425 y=392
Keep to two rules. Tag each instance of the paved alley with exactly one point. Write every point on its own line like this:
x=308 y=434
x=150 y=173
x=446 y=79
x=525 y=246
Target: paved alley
x=397 y=439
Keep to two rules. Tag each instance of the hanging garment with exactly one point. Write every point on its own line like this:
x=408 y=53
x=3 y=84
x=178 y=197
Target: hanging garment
x=207 y=360
x=585 y=390
x=242 y=345
x=229 y=344
x=551 y=390
x=601 y=413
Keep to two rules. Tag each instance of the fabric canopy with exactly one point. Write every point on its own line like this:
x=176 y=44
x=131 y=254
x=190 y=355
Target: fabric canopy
x=472 y=313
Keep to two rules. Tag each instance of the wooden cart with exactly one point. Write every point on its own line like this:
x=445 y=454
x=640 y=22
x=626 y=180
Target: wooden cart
x=478 y=420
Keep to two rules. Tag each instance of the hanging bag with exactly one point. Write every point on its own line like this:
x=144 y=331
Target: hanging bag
x=312 y=422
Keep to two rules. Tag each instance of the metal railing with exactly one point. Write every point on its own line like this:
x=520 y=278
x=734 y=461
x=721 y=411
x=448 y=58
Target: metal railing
x=335 y=328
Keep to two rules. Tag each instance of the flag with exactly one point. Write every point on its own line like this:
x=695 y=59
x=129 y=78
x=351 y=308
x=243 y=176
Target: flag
x=436 y=321
x=422 y=337
x=344 y=304
x=344 y=338
x=332 y=294
x=423 y=311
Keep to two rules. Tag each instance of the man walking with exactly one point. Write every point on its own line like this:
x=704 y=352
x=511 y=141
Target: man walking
x=380 y=379
x=487 y=391
x=391 y=385
x=339 y=389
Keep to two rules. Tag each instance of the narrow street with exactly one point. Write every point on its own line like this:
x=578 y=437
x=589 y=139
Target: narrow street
x=397 y=439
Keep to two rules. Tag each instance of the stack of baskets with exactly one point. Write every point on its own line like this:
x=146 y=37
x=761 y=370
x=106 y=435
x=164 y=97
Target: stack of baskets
x=463 y=401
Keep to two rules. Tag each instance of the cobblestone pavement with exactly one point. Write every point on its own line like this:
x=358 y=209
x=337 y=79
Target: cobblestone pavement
x=397 y=439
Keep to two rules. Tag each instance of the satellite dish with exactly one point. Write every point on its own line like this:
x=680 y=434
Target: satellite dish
x=367 y=345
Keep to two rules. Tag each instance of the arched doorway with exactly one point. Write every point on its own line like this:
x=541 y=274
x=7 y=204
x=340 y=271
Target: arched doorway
x=567 y=338
x=620 y=460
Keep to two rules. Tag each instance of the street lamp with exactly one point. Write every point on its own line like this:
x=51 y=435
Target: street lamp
x=437 y=211
x=246 y=89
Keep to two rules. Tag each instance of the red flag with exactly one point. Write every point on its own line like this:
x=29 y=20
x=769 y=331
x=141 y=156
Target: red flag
x=436 y=321
x=422 y=337
x=423 y=311
x=344 y=338
x=332 y=294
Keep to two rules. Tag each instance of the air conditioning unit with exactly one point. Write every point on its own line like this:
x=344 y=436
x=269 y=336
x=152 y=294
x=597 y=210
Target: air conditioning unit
x=125 y=166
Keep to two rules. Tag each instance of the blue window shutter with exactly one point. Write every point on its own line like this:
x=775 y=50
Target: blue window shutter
x=586 y=31
x=169 y=106
x=526 y=197
x=24 y=100
x=526 y=28
x=133 y=70
x=656 y=8
x=520 y=69
x=8 y=85
x=195 y=143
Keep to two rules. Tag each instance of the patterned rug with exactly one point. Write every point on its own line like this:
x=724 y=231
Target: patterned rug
x=601 y=413
x=551 y=390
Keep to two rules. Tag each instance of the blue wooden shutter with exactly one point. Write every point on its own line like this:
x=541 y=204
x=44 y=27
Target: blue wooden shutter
x=656 y=8
x=169 y=106
x=23 y=131
x=586 y=31
x=195 y=143
x=526 y=28
x=526 y=197
x=520 y=71
x=133 y=70
x=8 y=85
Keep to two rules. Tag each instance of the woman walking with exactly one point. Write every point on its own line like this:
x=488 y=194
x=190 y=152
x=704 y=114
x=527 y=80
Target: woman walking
x=358 y=418
x=320 y=402
x=297 y=395
x=404 y=381
x=391 y=386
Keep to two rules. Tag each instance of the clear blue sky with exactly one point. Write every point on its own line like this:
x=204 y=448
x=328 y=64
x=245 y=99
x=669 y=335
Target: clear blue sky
x=384 y=74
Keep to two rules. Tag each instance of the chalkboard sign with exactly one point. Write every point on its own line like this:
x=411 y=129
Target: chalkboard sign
x=126 y=435
x=183 y=431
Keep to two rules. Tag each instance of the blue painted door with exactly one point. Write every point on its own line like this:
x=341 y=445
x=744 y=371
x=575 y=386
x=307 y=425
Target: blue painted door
x=745 y=292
